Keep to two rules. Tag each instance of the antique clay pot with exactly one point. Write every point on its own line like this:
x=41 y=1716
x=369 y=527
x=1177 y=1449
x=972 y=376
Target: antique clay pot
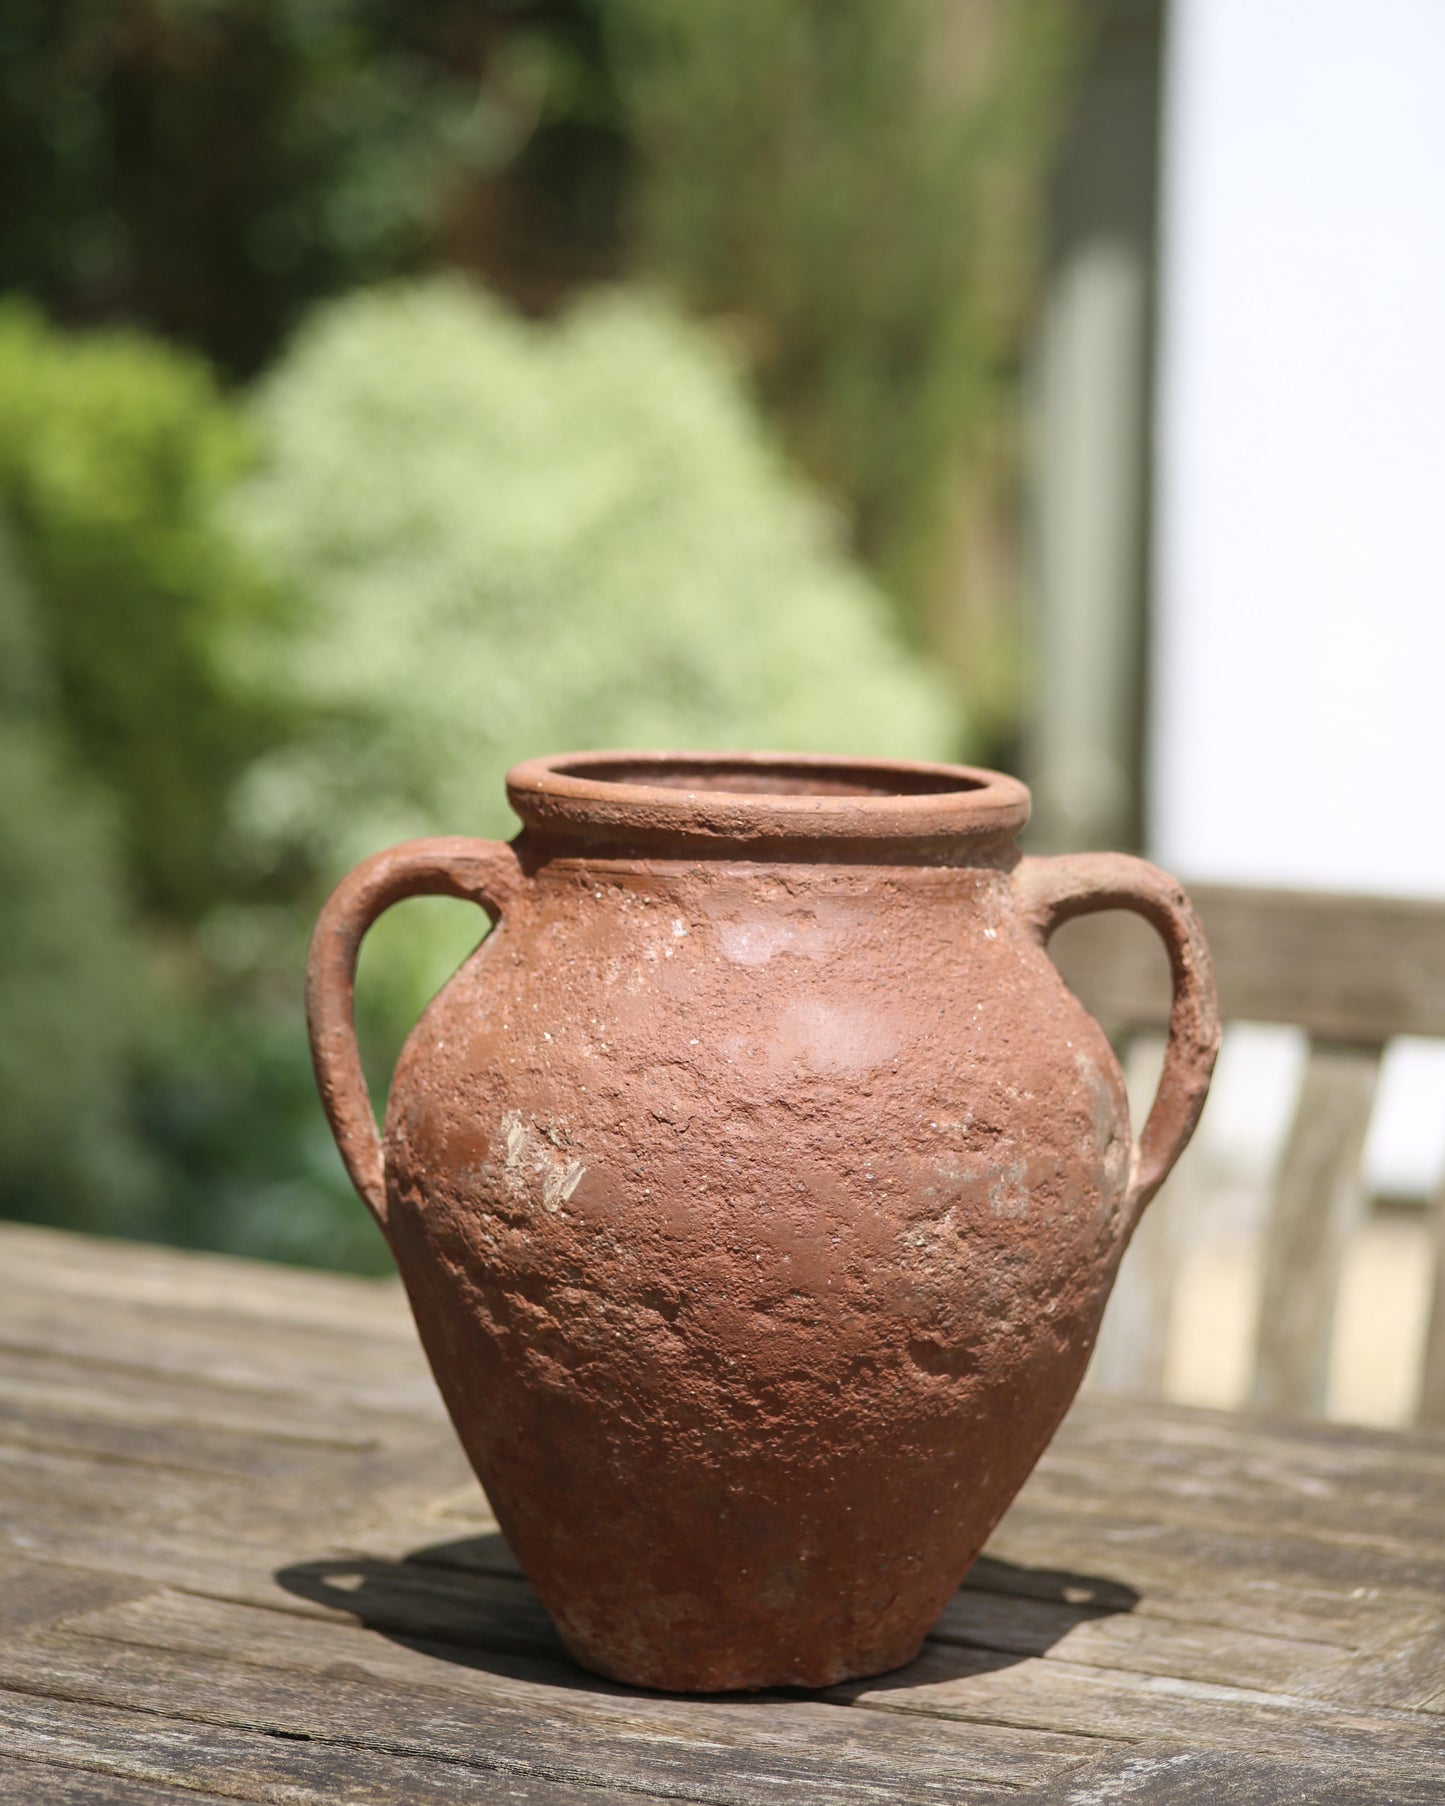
x=757 y=1185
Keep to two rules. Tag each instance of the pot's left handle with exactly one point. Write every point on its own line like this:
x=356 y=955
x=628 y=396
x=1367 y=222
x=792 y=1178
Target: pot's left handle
x=485 y=872
x=1053 y=890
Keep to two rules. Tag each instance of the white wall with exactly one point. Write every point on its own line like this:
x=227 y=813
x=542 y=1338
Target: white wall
x=1298 y=665
x=1298 y=685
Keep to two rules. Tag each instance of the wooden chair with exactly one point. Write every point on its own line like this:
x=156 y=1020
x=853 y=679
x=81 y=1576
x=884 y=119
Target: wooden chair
x=1352 y=972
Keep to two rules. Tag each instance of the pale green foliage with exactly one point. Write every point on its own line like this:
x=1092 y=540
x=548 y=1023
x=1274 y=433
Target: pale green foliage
x=511 y=539
x=514 y=539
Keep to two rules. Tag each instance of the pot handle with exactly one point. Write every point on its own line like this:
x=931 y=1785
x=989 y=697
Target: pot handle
x=1051 y=891
x=485 y=872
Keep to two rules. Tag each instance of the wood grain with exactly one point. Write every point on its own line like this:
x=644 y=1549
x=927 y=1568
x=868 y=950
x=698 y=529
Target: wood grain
x=241 y=1559
x=308 y=1682
x=26 y=1779
x=1431 y=1408
x=974 y=1686
x=1345 y=968
x=1185 y=1777
x=105 y=1754
x=1317 y=1202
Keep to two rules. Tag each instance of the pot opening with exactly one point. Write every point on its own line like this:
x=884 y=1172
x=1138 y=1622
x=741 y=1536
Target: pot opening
x=766 y=805
x=773 y=777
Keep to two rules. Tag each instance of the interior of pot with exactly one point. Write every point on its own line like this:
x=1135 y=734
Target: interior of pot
x=735 y=775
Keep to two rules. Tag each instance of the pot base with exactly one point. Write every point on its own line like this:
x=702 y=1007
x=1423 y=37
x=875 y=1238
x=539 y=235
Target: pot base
x=729 y=1671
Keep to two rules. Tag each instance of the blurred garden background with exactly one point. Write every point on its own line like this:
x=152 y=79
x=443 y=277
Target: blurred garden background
x=389 y=392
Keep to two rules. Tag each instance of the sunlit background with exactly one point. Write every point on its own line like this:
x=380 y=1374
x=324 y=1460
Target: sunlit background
x=392 y=391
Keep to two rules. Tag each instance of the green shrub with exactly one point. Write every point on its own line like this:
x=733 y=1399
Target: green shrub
x=209 y=167
x=115 y=453
x=856 y=184
x=495 y=539
x=73 y=989
x=861 y=183
x=144 y=1090
x=514 y=539
x=226 y=1103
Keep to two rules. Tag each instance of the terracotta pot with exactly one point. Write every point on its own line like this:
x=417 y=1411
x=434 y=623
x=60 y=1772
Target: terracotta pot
x=757 y=1186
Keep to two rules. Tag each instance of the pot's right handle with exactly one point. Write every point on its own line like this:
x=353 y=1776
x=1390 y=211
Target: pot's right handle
x=485 y=872
x=1051 y=891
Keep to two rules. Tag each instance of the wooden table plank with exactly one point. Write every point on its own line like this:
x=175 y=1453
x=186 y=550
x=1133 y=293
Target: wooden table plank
x=104 y=1754
x=306 y=1678
x=241 y=1557
x=1089 y=1701
x=25 y=1779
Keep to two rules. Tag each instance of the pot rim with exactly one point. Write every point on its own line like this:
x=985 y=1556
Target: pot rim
x=733 y=800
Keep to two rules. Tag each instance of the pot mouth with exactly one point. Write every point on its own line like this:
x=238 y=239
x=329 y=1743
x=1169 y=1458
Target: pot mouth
x=766 y=804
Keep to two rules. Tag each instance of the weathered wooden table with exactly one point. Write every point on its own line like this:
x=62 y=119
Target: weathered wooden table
x=242 y=1558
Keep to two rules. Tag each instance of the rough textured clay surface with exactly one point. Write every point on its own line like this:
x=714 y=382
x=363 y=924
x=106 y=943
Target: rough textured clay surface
x=758 y=1187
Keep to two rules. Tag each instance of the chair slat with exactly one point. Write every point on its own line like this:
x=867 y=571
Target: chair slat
x=1317 y=1201
x=1134 y=1337
x=1431 y=1408
x=1357 y=969
x=1352 y=972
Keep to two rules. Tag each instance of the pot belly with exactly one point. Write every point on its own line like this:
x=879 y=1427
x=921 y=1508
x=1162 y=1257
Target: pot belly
x=748 y=1394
